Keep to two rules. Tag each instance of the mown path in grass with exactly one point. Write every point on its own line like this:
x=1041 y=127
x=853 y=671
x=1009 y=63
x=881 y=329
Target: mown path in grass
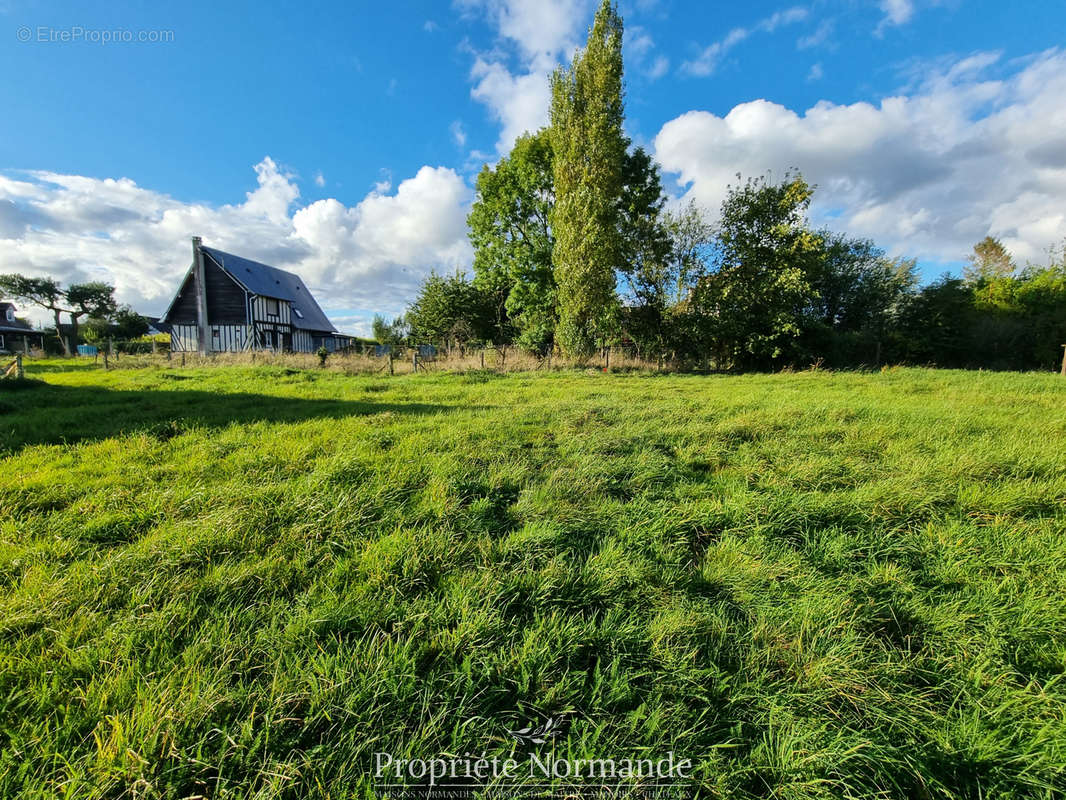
x=235 y=582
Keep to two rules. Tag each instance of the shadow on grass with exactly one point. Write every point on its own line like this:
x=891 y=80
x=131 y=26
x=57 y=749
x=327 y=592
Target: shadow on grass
x=48 y=414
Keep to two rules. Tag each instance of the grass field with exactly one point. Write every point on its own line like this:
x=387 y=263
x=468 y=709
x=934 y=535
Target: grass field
x=239 y=582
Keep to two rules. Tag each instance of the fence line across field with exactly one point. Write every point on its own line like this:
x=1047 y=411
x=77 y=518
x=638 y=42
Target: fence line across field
x=377 y=358
x=396 y=359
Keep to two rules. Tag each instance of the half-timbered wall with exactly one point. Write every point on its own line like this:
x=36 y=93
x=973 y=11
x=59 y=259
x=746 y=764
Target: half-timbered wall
x=271 y=311
x=183 y=338
x=228 y=338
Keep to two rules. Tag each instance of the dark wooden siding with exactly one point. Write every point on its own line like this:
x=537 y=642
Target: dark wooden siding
x=184 y=309
x=226 y=302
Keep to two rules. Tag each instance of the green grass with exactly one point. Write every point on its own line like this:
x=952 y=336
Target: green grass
x=242 y=582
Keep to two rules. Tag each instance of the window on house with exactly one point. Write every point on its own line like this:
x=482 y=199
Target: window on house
x=216 y=339
x=272 y=307
x=11 y=315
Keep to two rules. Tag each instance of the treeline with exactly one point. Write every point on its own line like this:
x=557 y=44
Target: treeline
x=92 y=312
x=575 y=249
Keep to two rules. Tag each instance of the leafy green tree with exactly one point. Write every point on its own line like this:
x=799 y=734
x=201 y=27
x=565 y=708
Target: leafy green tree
x=128 y=324
x=857 y=293
x=96 y=330
x=648 y=248
x=450 y=311
x=989 y=260
x=44 y=292
x=1019 y=318
x=1041 y=302
x=389 y=333
x=691 y=243
x=935 y=325
x=512 y=238
x=123 y=324
x=94 y=299
x=589 y=153
x=756 y=300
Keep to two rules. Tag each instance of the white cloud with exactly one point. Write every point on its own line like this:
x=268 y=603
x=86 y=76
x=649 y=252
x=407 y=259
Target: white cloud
x=926 y=173
x=659 y=67
x=709 y=58
x=638 y=43
x=815 y=73
x=820 y=35
x=458 y=134
x=639 y=51
x=897 y=12
x=541 y=33
x=541 y=29
x=320 y=179
x=368 y=256
x=518 y=102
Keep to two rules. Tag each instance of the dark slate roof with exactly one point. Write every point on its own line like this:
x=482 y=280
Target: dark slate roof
x=15 y=324
x=270 y=281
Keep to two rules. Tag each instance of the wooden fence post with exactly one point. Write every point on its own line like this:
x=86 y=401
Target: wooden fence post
x=414 y=361
x=18 y=367
x=483 y=358
x=390 y=362
x=1063 y=373
x=105 y=359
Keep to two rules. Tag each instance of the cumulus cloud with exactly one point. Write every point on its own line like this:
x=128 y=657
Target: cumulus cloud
x=541 y=29
x=369 y=256
x=924 y=174
x=710 y=57
x=540 y=32
x=518 y=102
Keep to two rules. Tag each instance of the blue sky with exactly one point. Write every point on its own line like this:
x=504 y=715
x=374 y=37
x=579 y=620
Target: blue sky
x=342 y=139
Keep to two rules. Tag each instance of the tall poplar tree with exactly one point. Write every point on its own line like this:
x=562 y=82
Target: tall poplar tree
x=590 y=150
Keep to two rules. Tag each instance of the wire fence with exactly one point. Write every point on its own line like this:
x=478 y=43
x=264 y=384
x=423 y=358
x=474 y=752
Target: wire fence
x=370 y=359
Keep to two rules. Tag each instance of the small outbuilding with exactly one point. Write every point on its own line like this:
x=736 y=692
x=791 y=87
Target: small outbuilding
x=227 y=303
x=16 y=335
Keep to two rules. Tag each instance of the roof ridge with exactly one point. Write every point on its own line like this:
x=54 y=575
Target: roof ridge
x=269 y=281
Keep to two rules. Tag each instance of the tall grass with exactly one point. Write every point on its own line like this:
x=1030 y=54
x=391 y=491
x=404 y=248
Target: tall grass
x=244 y=581
x=502 y=359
